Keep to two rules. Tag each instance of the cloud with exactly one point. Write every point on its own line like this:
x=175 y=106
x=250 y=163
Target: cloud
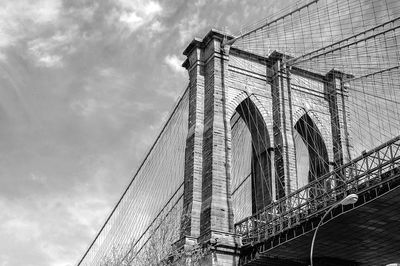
x=175 y=63
x=81 y=10
x=133 y=15
x=132 y=20
x=144 y=7
x=15 y=16
x=47 y=60
x=44 y=27
x=190 y=26
x=3 y=57
x=24 y=230
x=103 y=90
x=52 y=229
x=49 y=52
x=157 y=27
x=86 y=107
x=38 y=178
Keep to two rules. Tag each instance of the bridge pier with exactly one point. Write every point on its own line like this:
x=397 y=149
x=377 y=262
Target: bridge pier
x=207 y=219
x=285 y=154
x=284 y=98
x=336 y=93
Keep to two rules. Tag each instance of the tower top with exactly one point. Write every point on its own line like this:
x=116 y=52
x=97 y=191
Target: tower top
x=202 y=42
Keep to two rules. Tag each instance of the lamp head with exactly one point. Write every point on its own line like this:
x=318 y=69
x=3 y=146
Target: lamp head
x=350 y=199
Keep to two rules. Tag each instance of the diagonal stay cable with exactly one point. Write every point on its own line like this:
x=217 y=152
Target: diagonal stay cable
x=136 y=174
x=154 y=220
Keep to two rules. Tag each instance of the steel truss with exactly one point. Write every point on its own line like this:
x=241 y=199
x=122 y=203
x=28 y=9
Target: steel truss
x=372 y=174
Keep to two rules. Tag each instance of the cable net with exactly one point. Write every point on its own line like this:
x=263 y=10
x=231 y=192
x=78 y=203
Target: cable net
x=355 y=40
x=241 y=169
x=310 y=25
x=147 y=216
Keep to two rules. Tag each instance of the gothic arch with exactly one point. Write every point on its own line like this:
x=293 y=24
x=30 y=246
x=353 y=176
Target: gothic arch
x=265 y=113
x=309 y=143
x=248 y=116
x=322 y=127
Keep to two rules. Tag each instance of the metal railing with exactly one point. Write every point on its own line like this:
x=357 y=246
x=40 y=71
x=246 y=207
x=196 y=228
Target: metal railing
x=360 y=174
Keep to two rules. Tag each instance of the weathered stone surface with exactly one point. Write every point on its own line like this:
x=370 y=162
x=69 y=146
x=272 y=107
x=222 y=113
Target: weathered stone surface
x=220 y=80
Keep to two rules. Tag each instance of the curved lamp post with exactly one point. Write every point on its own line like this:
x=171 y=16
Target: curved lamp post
x=350 y=199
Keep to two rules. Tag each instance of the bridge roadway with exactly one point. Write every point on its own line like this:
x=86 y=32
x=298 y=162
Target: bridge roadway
x=366 y=233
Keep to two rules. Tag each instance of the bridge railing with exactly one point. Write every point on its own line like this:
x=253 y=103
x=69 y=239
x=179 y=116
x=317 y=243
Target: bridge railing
x=368 y=170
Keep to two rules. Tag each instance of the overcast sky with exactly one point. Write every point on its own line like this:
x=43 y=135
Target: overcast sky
x=84 y=89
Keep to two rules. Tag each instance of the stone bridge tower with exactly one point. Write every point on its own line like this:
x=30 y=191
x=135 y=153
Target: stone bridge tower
x=286 y=105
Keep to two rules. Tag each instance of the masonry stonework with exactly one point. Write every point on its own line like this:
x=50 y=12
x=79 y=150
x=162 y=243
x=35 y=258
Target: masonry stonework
x=220 y=79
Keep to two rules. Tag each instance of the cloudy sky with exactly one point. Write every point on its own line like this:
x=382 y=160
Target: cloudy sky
x=84 y=88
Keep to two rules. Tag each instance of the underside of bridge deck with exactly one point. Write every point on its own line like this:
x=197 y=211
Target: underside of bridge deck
x=369 y=234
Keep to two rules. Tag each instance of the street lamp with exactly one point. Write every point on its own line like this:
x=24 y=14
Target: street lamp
x=350 y=199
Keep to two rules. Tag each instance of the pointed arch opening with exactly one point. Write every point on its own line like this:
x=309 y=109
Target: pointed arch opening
x=311 y=154
x=251 y=161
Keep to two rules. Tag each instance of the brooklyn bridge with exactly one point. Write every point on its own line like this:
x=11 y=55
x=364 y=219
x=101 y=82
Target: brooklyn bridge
x=283 y=150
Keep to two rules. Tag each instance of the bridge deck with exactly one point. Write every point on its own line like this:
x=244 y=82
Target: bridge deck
x=367 y=233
